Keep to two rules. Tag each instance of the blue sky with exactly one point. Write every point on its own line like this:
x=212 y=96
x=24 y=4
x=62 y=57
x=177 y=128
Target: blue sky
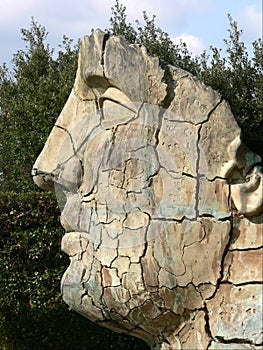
x=200 y=23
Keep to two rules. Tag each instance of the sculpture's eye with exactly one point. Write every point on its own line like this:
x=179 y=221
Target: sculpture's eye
x=116 y=108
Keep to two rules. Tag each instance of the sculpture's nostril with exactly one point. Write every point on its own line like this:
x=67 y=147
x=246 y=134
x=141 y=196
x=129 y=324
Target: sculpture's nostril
x=43 y=179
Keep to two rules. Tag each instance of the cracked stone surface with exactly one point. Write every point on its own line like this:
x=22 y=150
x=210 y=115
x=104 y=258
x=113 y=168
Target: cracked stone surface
x=160 y=200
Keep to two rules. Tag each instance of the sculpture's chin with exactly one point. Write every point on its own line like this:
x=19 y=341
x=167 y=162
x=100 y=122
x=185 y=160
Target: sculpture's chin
x=79 y=285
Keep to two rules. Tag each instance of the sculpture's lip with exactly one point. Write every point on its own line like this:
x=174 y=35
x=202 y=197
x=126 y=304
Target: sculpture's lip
x=43 y=179
x=71 y=242
x=64 y=223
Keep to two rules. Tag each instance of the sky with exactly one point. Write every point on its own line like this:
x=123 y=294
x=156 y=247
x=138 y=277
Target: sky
x=200 y=23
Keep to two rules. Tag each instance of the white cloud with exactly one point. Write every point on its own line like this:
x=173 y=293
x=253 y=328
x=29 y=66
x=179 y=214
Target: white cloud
x=15 y=10
x=175 y=12
x=250 y=20
x=76 y=18
x=194 y=43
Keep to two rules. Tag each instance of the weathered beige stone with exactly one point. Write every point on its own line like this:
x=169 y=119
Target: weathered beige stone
x=194 y=334
x=174 y=250
x=193 y=101
x=150 y=269
x=121 y=263
x=236 y=313
x=247 y=234
x=163 y=206
x=208 y=251
x=206 y=290
x=218 y=149
x=90 y=60
x=147 y=84
x=87 y=304
x=148 y=311
x=70 y=244
x=178 y=299
x=132 y=279
x=173 y=205
x=137 y=300
x=247 y=196
x=167 y=279
x=136 y=220
x=214 y=198
x=244 y=266
x=131 y=247
x=115 y=298
x=177 y=147
x=110 y=277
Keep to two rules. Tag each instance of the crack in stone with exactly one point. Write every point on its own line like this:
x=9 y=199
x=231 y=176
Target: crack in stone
x=242 y=283
x=207 y=325
x=211 y=111
x=222 y=265
x=236 y=341
x=199 y=176
x=246 y=249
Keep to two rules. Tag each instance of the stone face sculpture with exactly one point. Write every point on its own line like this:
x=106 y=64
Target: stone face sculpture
x=161 y=201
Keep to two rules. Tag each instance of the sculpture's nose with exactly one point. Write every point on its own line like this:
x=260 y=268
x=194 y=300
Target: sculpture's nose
x=43 y=179
x=47 y=161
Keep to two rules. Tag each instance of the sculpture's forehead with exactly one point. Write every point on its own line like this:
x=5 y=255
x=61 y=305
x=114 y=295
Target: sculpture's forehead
x=112 y=61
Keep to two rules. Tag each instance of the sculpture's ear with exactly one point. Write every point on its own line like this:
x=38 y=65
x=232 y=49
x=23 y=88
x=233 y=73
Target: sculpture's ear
x=248 y=196
x=246 y=184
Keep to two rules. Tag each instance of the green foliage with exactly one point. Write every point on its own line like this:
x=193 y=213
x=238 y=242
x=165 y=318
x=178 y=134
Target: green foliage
x=31 y=309
x=30 y=251
x=119 y=26
x=31 y=98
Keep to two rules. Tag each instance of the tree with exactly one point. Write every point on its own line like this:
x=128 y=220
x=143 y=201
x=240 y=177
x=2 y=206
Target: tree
x=31 y=98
